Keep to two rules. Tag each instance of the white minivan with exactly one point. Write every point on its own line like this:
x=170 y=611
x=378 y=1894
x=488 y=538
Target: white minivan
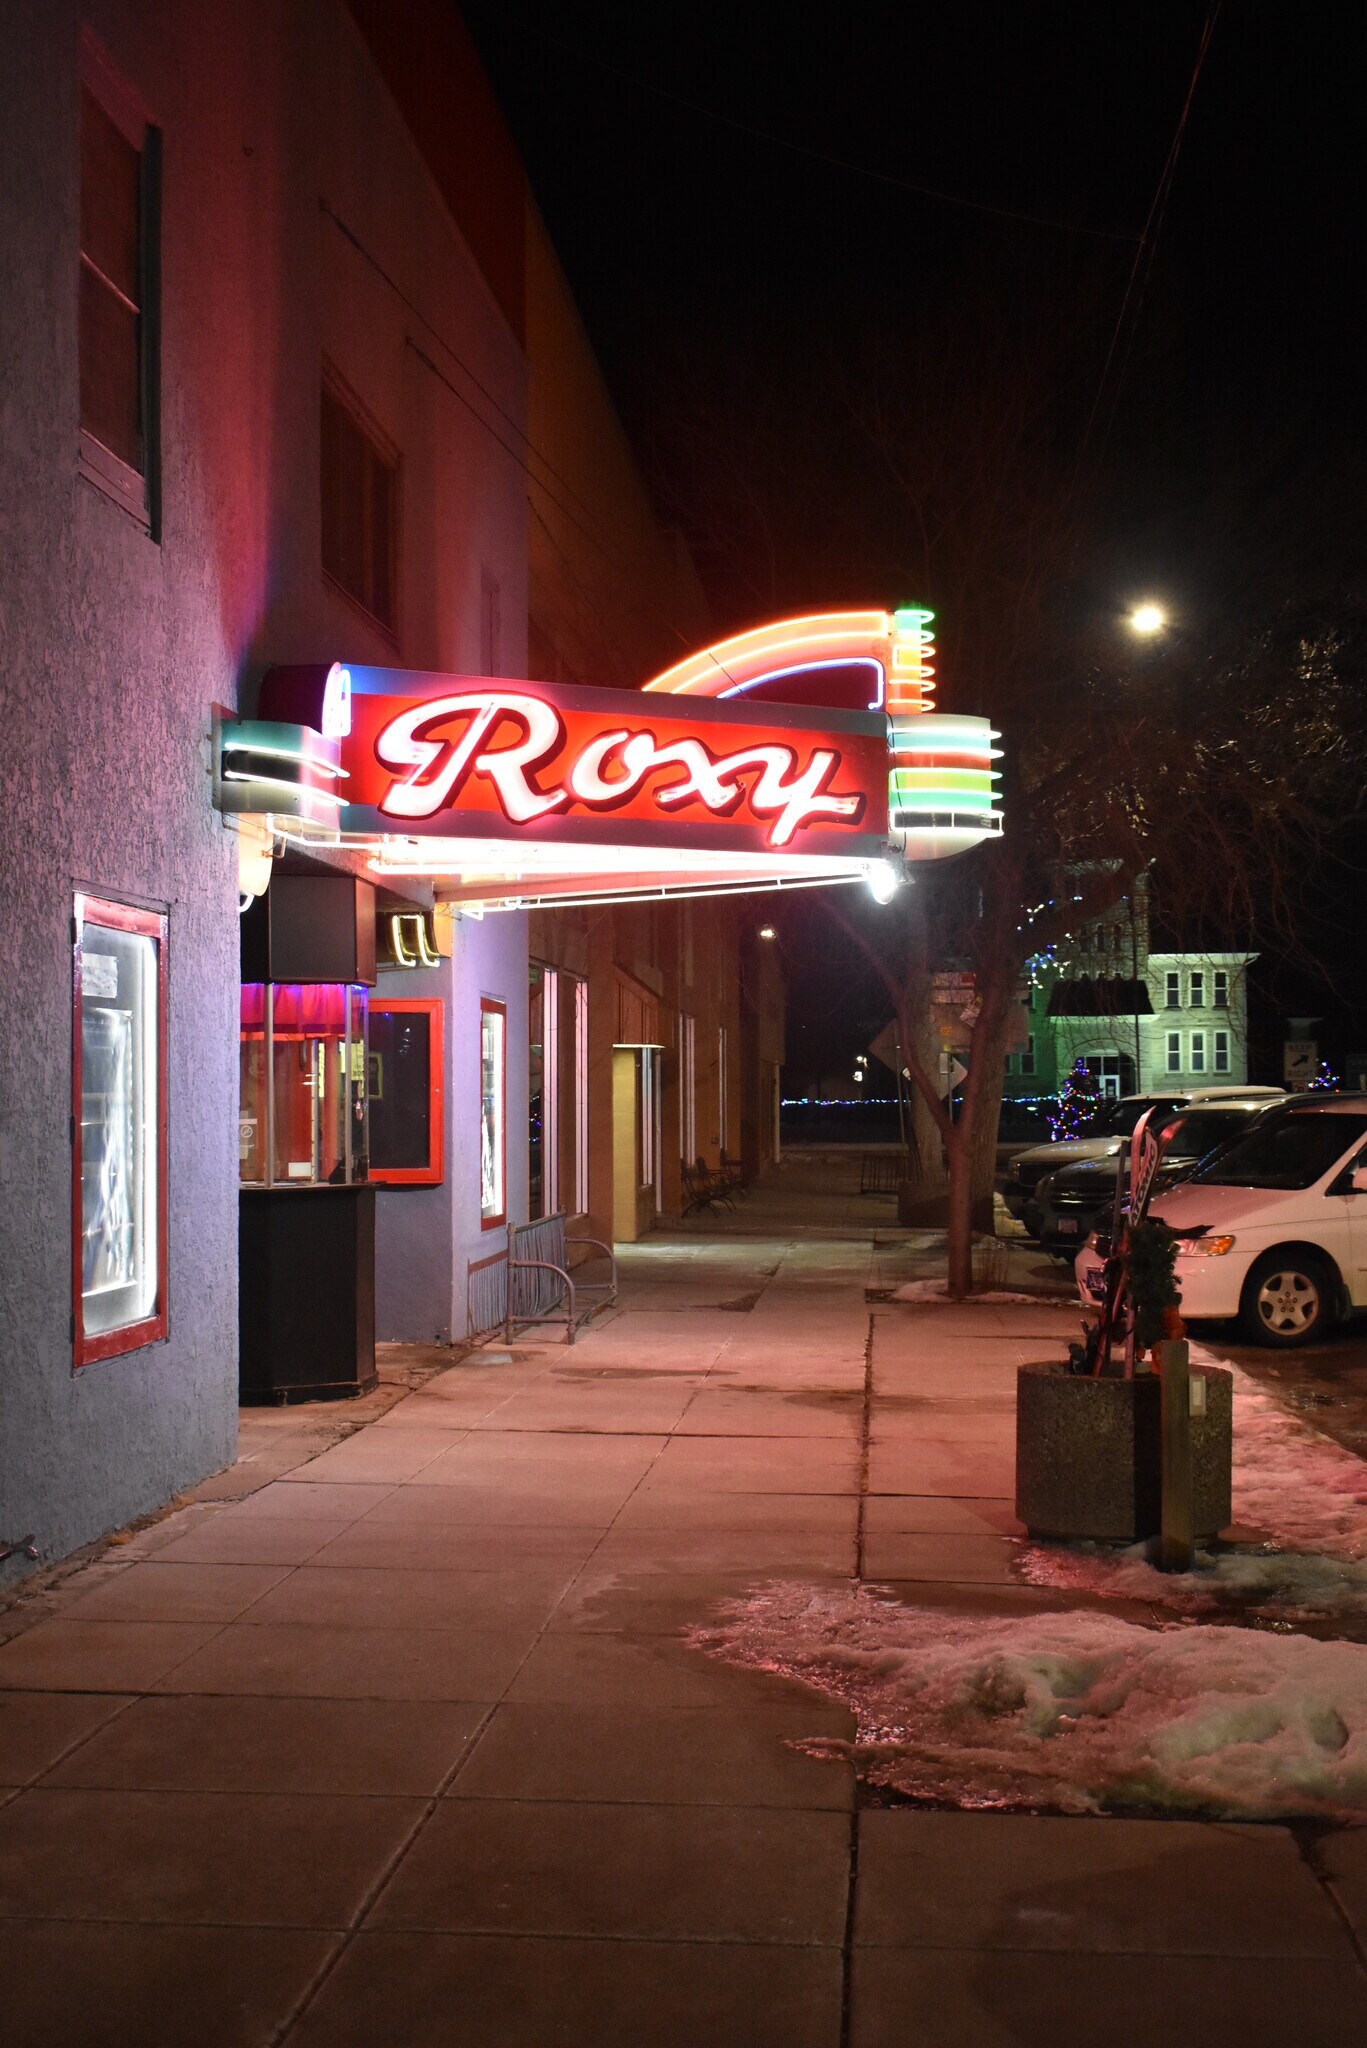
x=1273 y=1227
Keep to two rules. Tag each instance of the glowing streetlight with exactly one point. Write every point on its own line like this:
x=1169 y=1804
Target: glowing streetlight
x=766 y=931
x=1147 y=619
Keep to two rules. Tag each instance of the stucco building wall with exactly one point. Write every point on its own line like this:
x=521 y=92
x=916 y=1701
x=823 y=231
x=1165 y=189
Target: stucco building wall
x=299 y=223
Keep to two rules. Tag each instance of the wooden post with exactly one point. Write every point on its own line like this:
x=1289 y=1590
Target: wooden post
x=1176 y=1538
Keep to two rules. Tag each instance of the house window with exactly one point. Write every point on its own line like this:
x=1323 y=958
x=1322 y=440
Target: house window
x=1222 y=1052
x=1173 y=986
x=1028 y=1057
x=1174 y=1052
x=1197 y=1062
x=118 y=1129
x=118 y=318
x=360 y=490
x=407 y=1135
x=543 y=1090
x=493 y=1081
x=688 y=1088
x=1220 y=988
x=1198 y=991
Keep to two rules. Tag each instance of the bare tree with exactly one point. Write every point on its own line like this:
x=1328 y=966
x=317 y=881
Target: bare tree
x=944 y=470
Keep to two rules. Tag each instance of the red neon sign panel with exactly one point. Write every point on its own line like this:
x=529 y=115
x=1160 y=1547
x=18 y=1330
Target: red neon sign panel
x=473 y=756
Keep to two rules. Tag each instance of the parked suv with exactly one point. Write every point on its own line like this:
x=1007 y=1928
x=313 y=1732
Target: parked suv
x=1108 y=1134
x=1067 y=1205
x=1273 y=1227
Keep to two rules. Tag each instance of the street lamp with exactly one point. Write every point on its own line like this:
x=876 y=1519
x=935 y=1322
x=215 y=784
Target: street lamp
x=1148 y=619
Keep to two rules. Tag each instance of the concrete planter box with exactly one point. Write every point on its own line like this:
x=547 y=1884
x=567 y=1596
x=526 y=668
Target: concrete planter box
x=1087 y=1455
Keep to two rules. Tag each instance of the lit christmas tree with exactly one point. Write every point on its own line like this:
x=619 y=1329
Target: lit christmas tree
x=1074 y=1105
x=1325 y=1077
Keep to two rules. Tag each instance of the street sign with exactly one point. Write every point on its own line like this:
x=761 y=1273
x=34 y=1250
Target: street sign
x=951 y=1077
x=1300 y=1062
x=886 y=1046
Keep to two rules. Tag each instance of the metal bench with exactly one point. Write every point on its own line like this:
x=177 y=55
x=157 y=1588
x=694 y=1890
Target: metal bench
x=699 y=1187
x=528 y=1281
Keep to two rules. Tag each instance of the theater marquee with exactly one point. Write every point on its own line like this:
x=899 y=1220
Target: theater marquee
x=804 y=752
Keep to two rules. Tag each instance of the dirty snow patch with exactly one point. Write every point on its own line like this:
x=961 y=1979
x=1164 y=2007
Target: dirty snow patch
x=1261 y=1583
x=937 y=1290
x=1078 y=1713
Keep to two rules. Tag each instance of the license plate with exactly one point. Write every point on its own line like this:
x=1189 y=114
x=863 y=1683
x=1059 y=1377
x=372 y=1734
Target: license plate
x=1067 y=1226
x=1096 y=1279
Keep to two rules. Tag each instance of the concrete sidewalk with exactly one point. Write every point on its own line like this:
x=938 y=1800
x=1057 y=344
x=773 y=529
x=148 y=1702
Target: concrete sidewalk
x=404 y=1746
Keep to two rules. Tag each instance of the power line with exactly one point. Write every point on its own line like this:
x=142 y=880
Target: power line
x=821 y=156
x=350 y=235
x=1141 y=270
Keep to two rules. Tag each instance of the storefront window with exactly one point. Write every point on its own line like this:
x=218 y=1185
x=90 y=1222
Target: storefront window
x=493 y=1025
x=579 y=1066
x=405 y=1092
x=119 y=1129
x=302 y=1115
x=688 y=1088
x=543 y=1091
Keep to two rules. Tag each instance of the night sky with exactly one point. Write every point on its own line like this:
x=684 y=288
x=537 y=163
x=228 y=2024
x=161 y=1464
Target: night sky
x=741 y=198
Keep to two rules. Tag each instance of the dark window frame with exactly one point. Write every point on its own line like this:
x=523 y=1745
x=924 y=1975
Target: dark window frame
x=380 y=449
x=134 y=489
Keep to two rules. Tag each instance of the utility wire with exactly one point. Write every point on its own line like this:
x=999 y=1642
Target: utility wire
x=350 y=235
x=821 y=156
x=1141 y=270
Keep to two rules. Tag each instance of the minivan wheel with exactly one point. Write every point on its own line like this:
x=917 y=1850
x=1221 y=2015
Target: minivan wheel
x=1288 y=1299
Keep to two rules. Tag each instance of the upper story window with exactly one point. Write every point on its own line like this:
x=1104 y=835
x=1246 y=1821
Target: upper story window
x=1173 y=990
x=360 y=488
x=1219 y=994
x=1198 y=990
x=119 y=261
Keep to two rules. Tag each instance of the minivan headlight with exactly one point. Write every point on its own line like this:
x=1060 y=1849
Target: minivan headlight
x=1204 y=1247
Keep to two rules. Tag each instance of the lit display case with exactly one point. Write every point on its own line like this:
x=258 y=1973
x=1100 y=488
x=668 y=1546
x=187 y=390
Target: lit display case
x=303 y=1111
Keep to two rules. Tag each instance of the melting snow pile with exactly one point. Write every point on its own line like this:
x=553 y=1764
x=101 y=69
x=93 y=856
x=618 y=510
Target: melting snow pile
x=1076 y=1712
x=938 y=1290
x=1305 y=1492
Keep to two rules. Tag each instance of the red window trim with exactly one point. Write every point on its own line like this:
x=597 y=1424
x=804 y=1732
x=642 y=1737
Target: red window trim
x=434 y=1172
x=488 y=1005
x=150 y=924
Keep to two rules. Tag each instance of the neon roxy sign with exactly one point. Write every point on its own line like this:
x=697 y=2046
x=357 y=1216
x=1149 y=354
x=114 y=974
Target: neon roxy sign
x=519 y=745
x=803 y=752
x=470 y=757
